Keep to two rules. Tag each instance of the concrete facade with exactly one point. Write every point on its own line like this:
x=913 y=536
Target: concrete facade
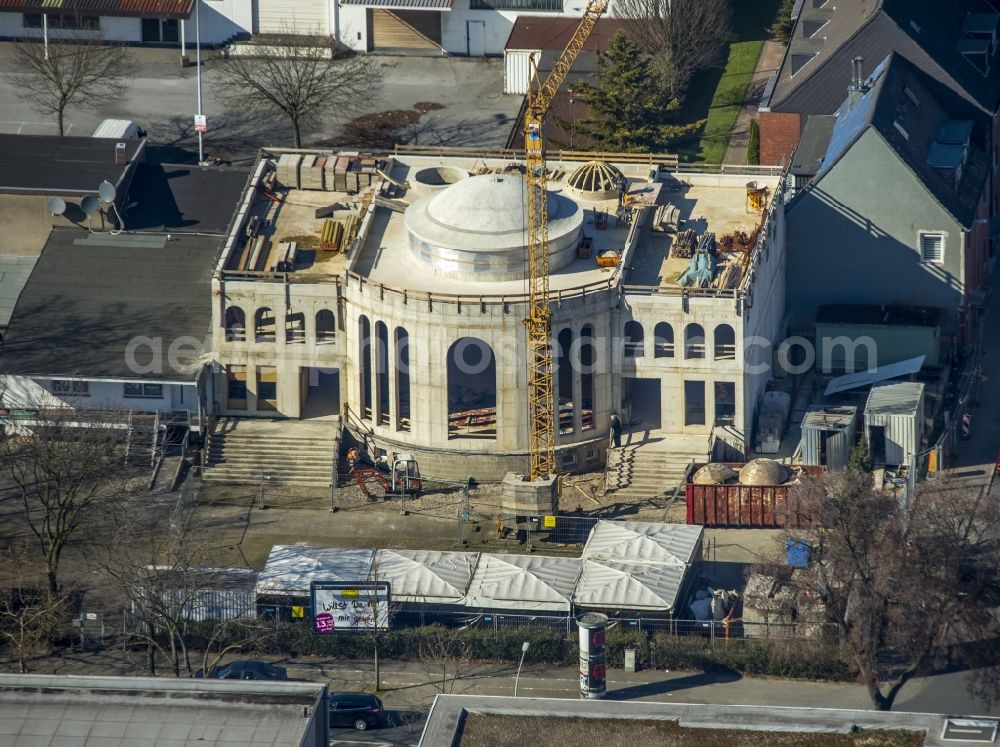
x=403 y=327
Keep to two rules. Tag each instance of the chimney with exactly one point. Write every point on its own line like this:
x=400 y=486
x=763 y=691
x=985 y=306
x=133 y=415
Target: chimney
x=857 y=81
x=121 y=155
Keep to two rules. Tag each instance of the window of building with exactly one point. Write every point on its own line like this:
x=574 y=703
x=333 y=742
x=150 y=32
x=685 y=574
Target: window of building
x=403 y=418
x=68 y=21
x=236 y=324
x=71 y=388
x=236 y=387
x=136 y=391
x=472 y=389
x=908 y=92
x=264 y=325
x=382 y=373
x=554 y=6
x=588 y=355
x=694 y=403
x=901 y=130
x=326 y=326
x=932 y=247
x=663 y=341
x=295 y=326
x=365 y=365
x=725 y=343
x=725 y=401
x=694 y=341
x=267 y=388
x=633 y=340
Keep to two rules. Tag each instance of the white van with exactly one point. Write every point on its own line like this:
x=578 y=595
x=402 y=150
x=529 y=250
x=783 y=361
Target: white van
x=119 y=129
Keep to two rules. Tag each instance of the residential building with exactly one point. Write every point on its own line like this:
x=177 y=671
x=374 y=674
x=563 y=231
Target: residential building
x=953 y=45
x=895 y=210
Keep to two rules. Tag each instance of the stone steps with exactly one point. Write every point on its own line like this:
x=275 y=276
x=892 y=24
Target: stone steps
x=240 y=456
x=634 y=472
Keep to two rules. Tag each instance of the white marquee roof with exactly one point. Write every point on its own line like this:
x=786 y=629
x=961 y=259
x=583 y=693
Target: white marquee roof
x=523 y=582
x=609 y=584
x=291 y=568
x=640 y=541
x=426 y=575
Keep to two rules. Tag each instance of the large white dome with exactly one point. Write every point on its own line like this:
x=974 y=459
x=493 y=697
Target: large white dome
x=477 y=228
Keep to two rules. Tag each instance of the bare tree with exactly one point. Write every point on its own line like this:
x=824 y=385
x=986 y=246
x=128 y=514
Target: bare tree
x=65 y=471
x=175 y=602
x=446 y=659
x=28 y=614
x=682 y=36
x=76 y=71
x=906 y=586
x=306 y=79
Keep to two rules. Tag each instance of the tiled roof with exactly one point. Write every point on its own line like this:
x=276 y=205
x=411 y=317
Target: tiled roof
x=402 y=4
x=542 y=32
x=146 y=8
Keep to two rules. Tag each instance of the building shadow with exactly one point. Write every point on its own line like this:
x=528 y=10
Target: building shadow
x=673 y=685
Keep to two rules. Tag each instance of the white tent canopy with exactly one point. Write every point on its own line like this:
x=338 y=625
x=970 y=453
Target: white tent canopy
x=523 y=582
x=290 y=569
x=640 y=541
x=426 y=575
x=616 y=585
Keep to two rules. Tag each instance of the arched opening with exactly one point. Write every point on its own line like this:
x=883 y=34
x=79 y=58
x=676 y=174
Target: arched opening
x=326 y=326
x=663 y=341
x=725 y=343
x=694 y=341
x=587 y=357
x=264 y=325
x=382 y=372
x=295 y=326
x=235 y=324
x=365 y=366
x=402 y=379
x=472 y=389
x=564 y=374
x=633 y=340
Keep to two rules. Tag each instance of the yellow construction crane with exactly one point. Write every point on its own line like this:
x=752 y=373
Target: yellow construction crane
x=541 y=404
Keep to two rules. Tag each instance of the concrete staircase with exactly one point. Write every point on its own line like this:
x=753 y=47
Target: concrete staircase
x=644 y=471
x=287 y=453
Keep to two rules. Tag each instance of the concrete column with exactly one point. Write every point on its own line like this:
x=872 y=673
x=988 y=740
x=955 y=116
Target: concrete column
x=183 y=43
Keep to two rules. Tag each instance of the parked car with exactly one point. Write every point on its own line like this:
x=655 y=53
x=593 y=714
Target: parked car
x=360 y=710
x=245 y=669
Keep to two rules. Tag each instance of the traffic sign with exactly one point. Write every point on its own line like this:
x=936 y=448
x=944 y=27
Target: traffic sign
x=200 y=123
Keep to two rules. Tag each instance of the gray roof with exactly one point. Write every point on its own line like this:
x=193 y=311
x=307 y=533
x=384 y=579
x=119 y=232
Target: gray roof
x=809 y=153
x=827 y=418
x=77 y=711
x=927 y=32
x=910 y=129
x=183 y=198
x=91 y=294
x=899 y=398
x=43 y=164
x=14 y=272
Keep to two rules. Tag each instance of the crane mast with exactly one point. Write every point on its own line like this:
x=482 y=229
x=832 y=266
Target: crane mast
x=541 y=400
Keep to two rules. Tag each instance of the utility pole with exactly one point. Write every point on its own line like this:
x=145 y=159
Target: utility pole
x=197 y=62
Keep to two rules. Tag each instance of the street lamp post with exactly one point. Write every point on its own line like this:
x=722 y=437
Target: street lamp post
x=197 y=62
x=524 y=650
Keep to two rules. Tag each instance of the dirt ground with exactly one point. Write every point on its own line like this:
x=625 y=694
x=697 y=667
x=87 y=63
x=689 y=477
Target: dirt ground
x=490 y=730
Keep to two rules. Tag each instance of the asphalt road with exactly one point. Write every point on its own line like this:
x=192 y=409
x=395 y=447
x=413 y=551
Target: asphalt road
x=162 y=98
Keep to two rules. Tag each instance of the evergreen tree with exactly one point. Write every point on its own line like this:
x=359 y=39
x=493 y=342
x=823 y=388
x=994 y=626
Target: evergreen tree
x=860 y=459
x=753 y=143
x=628 y=110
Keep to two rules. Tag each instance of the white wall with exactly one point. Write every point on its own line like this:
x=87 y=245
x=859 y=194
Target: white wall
x=354 y=27
x=36 y=392
x=298 y=16
x=112 y=28
x=221 y=20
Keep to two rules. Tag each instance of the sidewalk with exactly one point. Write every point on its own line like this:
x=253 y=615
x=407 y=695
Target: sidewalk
x=770 y=59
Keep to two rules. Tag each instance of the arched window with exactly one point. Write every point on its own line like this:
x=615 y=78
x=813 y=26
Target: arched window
x=402 y=380
x=365 y=365
x=326 y=326
x=295 y=326
x=264 y=325
x=587 y=357
x=633 y=340
x=564 y=380
x=236 y=324
x=472 y=389
x=382 y=372
x=694 y=341
x=725 y=343
x=663 y=341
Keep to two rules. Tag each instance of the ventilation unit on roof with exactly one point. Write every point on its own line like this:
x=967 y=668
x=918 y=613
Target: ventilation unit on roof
x=979 y=39
x=950 y=149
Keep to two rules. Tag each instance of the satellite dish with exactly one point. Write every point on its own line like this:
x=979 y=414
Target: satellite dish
x=107 y=191
x=89 y=204
x=56 y=205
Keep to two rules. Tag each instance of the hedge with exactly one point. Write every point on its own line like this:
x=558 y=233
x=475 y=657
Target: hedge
x=804 y=659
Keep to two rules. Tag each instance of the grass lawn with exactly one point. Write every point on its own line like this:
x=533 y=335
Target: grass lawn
x=716 y=94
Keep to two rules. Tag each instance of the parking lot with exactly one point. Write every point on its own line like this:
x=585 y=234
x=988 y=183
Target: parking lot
x=162 y=98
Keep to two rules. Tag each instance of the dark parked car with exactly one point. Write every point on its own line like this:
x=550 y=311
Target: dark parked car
x=245 y=669
x=360 y=710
